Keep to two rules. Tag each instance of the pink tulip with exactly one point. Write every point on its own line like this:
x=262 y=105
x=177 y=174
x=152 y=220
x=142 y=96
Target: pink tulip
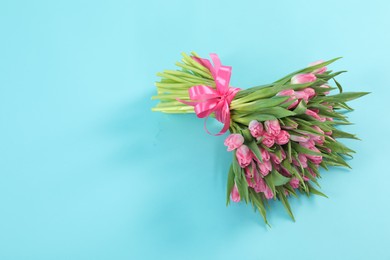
x=268 y=140
x=325 y=86
x=256 y=128
x=303 y=160
x=320 y=70
x=265 y=167
x=233 y=141
x=264 y=154
x=260 y=185
x=312 y=173
x=286 y=92
x=272 y=127
x=251 y=182
x=275 y=158
x=294 y=182
x=291 y=94
x=268 y=193
x=310 y=92
x=297 y=138
x=302 y=95
x=282 y=137
x=303 y=78
x=314 y=115
x=244 y=156
x=290 y=125
x=318 y=129
x=235 y=195
x=317 y=159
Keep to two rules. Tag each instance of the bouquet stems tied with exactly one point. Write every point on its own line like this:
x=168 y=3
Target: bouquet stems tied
x=281 y=133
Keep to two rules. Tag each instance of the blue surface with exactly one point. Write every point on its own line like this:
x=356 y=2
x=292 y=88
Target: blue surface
x=87 y=171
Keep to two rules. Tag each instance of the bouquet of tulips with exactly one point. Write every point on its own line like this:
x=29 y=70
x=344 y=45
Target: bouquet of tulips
x=281 y=133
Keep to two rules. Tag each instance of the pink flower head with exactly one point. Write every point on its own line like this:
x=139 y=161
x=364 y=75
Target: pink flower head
x=268 y=193
x=318 y=139
x=315 y=115
x=233 y=141
x=325 y=86
x=282 y=137
x=264 y=154
x=268 y=140
x=272 y=127
x=318 y=129
x=297 y=138
x=244 y=156
x=320 y=70
x=302 y=160
x=265 y=167
x=303 y=78
x=286 y=92
x=235 y=195
x=260 y=185
x=302 y=95
x=291 y=94
x=310 y=92
x=256 y=128
x=276 y=159
x=291 y=124
x=294 y=182
x=317 y=159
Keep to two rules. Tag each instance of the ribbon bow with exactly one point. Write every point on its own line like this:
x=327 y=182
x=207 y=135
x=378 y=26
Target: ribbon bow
x=207 y=100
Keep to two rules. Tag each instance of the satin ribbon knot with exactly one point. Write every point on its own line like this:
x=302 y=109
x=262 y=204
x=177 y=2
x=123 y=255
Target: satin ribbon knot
x=207 y=100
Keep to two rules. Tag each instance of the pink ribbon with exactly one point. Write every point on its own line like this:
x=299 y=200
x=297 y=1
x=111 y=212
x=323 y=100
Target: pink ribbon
x=207 y=100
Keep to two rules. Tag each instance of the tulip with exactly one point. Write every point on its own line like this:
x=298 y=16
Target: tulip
x=272 y=127
x=234 y=141
x=256 y=128
x=315 y=115
x=320 y=70
x=325 y=86
x=268 y=140
x=282 y=137
x=303 y=78
x=268 y=193
x=260 y=185
x=244 y=156
x=276 y=158
x=302 y=95
x=291 y=94
x=297 y=138
x=294 y=182
x=265 y=167
x=235 y=195
x=264 y=154
x=310 y=92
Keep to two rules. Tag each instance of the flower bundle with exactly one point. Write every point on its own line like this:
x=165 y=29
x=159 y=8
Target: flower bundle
x=281 y=133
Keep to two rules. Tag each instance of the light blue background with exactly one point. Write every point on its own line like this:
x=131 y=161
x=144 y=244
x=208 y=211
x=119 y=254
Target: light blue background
x=87 y=171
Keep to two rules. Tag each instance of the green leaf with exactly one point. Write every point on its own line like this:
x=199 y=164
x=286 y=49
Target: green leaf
x=285 y=203
x=301 y=108
x=270 y=182
x=258 y=202
x=341 y=134
x=278 y=179
x=230 y=184
x=344 y=97
x=255 y=149
x=304 y=150
x=338 y=85
x=316 y=192
x=258 y=104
